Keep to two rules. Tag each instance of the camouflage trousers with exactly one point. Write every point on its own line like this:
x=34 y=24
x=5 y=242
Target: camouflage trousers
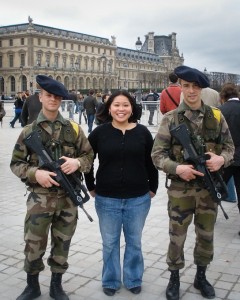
x=186 y=201
x=48 y=211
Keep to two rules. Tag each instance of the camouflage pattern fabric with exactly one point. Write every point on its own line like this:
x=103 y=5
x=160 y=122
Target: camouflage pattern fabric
x=163 y=140
x=184 y=202
x=24 y=164
x=48 y=211
x=188 y=198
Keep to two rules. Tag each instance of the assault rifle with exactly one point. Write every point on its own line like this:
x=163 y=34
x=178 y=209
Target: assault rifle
x=71 y=184
x=212 y=181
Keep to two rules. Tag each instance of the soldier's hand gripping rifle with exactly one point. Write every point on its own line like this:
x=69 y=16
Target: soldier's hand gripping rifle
x=77 y=192
x=212 y=181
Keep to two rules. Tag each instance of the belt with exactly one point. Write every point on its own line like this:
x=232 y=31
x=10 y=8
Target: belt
x=40 y=189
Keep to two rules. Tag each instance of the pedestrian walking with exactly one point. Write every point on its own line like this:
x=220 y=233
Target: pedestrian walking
x=150 y=105
x=90 y=104
x=81 y=109
x=18 y=105
x=31 y=108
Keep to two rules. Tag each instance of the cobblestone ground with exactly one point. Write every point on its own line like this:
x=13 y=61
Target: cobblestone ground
x=83 y=278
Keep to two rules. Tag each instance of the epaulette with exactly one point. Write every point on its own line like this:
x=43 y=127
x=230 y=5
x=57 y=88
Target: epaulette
x=216 y=113
x=75 y=127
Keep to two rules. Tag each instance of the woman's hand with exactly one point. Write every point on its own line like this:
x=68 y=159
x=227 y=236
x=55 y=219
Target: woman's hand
x=152 y=194
x=92 y=193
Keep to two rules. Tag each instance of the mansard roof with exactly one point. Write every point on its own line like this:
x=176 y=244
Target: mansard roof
x=162 y=45
x=53 y=31
x=130 y=54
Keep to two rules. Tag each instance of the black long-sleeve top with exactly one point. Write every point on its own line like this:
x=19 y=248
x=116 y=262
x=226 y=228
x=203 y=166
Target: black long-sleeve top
x=231 y=112
x=18 y=103
x=125 y=167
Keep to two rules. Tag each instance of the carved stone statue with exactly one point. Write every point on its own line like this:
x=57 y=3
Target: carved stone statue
x=113 y=41
x=30 y=20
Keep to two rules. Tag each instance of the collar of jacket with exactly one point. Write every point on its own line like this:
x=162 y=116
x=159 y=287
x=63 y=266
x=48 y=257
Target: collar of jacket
x=41 y=118
x=183 y=107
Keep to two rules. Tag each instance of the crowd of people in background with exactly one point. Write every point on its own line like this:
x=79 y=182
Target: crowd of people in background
x=27 y=107
x=188 y=94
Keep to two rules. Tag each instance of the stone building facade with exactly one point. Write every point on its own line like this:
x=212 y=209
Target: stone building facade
x=82 y=61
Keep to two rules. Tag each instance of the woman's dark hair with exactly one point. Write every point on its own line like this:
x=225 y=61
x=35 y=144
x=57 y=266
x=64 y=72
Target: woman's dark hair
x=229 y=90
x=104 y=97
x=104 y=115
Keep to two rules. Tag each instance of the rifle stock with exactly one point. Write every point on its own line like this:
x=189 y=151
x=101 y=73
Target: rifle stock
x=78 y=194
x=213 y=181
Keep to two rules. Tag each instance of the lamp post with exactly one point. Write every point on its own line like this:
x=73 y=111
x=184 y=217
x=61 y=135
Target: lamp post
x=207 y=74
x=104 y=58
x=138 y=48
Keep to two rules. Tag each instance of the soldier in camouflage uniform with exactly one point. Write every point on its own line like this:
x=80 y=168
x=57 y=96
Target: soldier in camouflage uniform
x=187 y=197
x=48 y=206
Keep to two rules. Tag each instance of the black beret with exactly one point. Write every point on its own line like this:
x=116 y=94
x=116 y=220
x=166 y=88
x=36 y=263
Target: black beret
x=192 y=75
x=52 y=86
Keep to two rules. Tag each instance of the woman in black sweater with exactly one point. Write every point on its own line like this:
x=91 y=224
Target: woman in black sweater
x=126 y=180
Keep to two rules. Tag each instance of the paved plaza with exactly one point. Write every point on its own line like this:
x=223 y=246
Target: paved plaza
x=83 y=278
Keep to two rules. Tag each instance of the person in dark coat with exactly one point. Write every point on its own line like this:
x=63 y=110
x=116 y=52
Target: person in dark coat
x=90 y=104
x=151 y=106
x=231 y=111
x=31 y=109
x=18 y=104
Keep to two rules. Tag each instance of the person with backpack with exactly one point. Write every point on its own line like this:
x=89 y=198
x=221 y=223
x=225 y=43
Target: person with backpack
x=49 y=208
x=170 y=97
x=188 y=195
x=150 y=105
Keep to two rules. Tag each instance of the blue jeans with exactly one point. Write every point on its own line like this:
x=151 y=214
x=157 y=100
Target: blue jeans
x=115 y=215
x=90 y=118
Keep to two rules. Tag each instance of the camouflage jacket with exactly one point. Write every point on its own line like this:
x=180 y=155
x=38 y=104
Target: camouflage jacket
x=24 y=163
x=163 y=140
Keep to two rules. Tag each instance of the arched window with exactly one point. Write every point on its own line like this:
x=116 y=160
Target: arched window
x=13 y=84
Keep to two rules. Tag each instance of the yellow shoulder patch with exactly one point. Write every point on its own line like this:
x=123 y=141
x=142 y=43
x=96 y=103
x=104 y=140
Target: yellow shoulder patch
x=75 y=127
x=216 y=113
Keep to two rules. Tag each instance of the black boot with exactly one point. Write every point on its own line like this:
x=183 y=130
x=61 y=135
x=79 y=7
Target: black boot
x=32 y=290
x=202 y=284
x=172 y=291
x=56 y=290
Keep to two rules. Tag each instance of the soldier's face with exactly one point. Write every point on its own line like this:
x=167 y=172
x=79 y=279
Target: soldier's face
x=191 y=93
x=49 y=101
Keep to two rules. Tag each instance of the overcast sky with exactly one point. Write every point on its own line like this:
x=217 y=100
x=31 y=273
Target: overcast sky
x=207 y=30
